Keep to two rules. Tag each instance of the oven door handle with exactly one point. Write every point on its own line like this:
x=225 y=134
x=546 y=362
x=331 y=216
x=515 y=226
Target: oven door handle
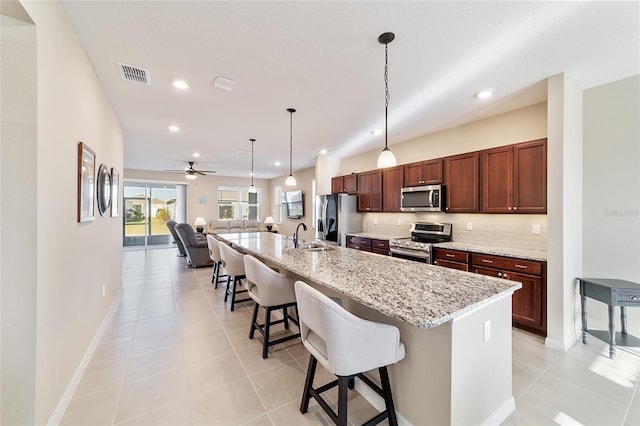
x=418 y=254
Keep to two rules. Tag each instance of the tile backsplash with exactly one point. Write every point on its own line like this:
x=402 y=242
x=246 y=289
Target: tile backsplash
x=505 y=230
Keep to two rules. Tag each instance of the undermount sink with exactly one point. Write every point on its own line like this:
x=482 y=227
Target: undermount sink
x=313 y=246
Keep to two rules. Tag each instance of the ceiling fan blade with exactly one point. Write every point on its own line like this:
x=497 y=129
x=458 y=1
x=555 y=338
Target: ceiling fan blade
x=205 y=171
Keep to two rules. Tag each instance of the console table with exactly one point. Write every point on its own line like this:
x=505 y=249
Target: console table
x=614 y=293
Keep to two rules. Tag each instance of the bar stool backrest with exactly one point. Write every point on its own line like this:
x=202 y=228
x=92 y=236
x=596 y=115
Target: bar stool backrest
x=214 y=249
x=232 y=259
x=273 y=288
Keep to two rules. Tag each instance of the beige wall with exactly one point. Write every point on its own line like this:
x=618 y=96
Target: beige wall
x=611 y=202
x=71 y=261
x=204 y=186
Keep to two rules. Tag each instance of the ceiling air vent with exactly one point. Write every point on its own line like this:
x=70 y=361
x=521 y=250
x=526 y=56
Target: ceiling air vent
x=135 y=74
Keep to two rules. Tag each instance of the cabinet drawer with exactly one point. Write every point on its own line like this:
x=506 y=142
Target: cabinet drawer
x=627 y=299
x=380 y=244
x=452 y=265
x=530 y=267
x=451 y=255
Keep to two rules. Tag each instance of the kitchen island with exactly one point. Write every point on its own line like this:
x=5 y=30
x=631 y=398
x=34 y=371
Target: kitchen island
x=456 y=326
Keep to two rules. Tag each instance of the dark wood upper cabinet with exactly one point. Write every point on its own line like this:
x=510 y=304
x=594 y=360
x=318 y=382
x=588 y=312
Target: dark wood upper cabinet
x=514 y=178
x=392 y=182
x=370 y=191
x=423 y=173
x=462 y=184
x=347 y=184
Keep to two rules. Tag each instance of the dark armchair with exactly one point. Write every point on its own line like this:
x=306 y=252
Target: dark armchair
x=172 y=228
x=197 y=249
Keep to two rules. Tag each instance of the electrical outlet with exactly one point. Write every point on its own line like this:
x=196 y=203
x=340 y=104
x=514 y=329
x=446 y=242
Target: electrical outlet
x=535 y=229
x=487 y=331
x=399 y=222
x=469 y=226
x=104 y=290
x=375 y=220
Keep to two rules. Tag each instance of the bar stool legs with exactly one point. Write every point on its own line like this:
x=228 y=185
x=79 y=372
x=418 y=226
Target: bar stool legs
x=345 y=383
x=216 y=273
x=232 y=284
x=265 y=328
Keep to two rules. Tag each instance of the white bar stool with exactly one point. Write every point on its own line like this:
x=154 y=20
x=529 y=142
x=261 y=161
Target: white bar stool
x=214 y=254
x=271 y=290
x=234 y=265
x=347 y=346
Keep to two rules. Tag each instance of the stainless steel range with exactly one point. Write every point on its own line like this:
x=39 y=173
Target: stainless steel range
x=418 y=246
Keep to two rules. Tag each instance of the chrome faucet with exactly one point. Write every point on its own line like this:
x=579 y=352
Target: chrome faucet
x=295 y=235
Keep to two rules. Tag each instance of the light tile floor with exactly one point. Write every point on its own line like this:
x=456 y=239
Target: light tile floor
x=173 y=354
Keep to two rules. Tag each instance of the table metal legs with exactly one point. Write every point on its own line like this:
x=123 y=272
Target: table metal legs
x=583 y=302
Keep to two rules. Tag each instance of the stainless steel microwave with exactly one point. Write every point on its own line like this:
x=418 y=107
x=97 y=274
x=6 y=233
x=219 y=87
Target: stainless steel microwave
x=428 y=198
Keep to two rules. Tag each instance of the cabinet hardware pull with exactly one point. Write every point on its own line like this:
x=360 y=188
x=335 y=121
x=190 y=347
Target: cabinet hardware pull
x=634 y=298
x=505 y=276
x=500 y=274
x=515 y=208
x=450 y=255
x=487 y=261
x=521 y=266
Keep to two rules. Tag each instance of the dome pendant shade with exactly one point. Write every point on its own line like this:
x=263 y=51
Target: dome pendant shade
x=386 y=159
x=291 y=181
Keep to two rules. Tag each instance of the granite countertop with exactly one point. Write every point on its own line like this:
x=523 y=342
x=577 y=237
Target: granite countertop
x=422 y=295
x=376 y=236
x=497 y=250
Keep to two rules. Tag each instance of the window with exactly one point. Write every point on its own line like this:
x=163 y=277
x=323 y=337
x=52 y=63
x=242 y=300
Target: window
x=237 y=203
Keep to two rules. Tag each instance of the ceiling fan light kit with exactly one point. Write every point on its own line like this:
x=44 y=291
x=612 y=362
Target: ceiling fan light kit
x=386 y=157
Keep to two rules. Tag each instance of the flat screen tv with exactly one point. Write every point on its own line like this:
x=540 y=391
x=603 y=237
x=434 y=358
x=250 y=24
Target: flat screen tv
x=294 y=204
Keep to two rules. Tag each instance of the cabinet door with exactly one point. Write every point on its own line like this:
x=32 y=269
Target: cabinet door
x=527 y=307
x=392 y=179
x=350 y=185
x=375 y=191
x=497 y=180
x=462 y=183
x=337 y=184
x=451 y=265
x=530 y=177
x=412 y=174
x=364 y=189
x=432 y=172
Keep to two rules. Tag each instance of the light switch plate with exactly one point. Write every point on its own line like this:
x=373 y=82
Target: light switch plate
x=535 y=229
x=487 y=331
x=469 y=226
x=399 y=222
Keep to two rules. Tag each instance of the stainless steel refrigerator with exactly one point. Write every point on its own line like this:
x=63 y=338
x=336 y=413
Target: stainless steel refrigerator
x=337 y=216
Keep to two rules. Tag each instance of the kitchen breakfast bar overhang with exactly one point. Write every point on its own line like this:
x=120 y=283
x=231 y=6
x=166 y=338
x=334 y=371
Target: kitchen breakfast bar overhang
x=456 y=326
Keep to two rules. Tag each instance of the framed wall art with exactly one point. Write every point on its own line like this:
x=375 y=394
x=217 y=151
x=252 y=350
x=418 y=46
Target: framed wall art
x=86 y=183
x=104 y=189
x=115 y=184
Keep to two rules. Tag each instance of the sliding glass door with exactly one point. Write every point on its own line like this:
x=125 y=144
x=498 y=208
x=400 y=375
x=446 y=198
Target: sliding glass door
x=147 y=209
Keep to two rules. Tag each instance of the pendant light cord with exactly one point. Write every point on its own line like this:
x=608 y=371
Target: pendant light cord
x=290 y=143
x=386 y=88
x=252 y=141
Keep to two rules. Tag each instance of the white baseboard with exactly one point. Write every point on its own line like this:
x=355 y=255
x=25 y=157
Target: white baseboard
x=563 y=346
x=56 y=417
x=501 y=414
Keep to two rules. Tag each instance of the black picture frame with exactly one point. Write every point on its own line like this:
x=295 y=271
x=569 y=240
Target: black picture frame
x=103 y=189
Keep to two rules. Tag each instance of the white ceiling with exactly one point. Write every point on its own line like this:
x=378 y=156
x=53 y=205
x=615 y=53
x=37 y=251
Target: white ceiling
x=323 y=59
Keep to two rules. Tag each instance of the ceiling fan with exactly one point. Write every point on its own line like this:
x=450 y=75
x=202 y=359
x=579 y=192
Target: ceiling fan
x=191 y=173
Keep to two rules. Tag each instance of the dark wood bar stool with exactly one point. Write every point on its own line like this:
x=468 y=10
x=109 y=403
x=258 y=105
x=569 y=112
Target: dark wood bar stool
x=234 y=265
x=347 y=346
x=273 y=291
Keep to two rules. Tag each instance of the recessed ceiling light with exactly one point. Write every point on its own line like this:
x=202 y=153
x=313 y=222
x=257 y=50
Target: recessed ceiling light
x=180 y=84
x=174 y=128
x=323 y=151
x=484 y=94
x=277 y=163
x=196 y=154
x=376 y=132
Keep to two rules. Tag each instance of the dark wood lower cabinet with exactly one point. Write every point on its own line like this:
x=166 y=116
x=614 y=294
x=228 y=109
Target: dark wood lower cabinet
x=529 y=304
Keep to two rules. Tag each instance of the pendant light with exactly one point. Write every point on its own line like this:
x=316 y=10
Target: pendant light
x=252 y=188
x=386 y=157
x=291 y=181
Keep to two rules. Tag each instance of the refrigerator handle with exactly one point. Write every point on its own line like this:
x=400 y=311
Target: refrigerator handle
x=324 y=218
